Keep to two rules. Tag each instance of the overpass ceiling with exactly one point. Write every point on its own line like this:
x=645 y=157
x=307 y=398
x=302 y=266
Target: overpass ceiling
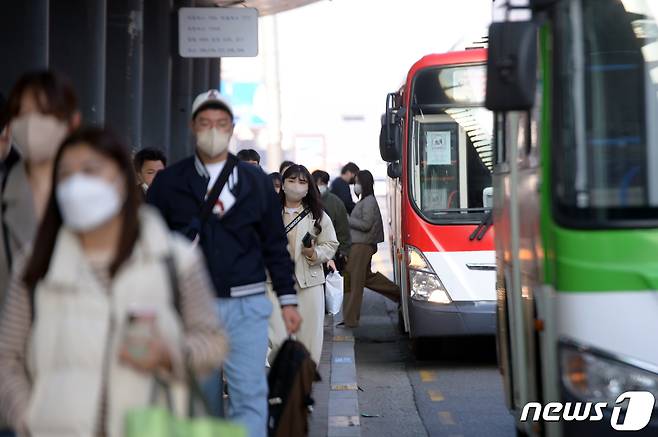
x=265 y=7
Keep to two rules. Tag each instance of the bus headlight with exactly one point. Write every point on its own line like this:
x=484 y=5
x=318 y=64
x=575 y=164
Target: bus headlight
x=424 y=283
x=593 y=377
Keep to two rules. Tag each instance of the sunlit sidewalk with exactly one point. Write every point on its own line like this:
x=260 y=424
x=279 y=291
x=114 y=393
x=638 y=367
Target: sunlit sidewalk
x=336 y=411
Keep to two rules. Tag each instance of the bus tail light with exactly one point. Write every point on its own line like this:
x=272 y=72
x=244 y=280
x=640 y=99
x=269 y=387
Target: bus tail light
x=424 y=283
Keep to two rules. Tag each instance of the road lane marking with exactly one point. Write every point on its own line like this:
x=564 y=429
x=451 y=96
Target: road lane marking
x=445 y=417
x=435 y=395
x=344 y=387
x=347 y=338
x=427 y=376
x=344 y=421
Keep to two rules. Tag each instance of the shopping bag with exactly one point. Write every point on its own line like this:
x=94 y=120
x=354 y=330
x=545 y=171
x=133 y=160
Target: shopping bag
x=334 y=292
x=161 y=421
x=154 y=421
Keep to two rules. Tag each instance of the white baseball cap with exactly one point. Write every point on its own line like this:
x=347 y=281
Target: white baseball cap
x=210 y=98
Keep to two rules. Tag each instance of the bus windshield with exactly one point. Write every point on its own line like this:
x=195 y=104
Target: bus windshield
x=605 y=162
x=450 y=160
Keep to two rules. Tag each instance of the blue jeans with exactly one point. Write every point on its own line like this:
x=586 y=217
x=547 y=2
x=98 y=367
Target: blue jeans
x=245 y=320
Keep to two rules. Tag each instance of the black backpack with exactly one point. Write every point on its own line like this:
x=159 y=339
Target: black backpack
x=290 y=380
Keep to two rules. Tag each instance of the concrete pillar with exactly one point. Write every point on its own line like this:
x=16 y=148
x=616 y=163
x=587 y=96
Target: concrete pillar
x=77 y=49
x=215 y=73
x=158 y=49
x=125 y=69
x=181 y=94
x=23 y=39
x=201 y=79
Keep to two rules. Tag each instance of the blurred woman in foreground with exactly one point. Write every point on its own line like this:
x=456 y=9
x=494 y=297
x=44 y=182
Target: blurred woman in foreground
x=92 y=315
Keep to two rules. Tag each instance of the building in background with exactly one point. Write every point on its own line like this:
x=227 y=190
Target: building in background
x=324 y=71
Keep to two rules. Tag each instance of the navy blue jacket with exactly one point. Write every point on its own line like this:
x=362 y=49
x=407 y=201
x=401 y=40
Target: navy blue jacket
x=342 y=189
x=240 y=245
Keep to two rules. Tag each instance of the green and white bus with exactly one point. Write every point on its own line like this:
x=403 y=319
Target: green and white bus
x=574 y=87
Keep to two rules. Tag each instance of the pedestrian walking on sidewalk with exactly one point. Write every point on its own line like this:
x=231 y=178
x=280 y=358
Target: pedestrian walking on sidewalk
x=249 y=156
x=148 y=162
x=311 y=242
x=42 y=109
x=230 y=208
x=276 y=181
x=339 y=217
x=341 y=186
x=367 y=231
x=91 y=313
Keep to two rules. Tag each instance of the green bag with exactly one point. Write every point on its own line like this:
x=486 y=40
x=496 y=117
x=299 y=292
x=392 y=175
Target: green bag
x=159 y=421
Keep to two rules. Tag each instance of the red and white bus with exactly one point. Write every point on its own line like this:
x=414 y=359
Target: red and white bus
x=437 y=137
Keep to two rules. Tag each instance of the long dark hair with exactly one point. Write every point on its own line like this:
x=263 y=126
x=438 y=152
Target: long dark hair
x=367 y=183
x=312 y=201
x=105 y=143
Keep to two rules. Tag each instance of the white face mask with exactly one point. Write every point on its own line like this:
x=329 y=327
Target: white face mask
x=357 y=189
x=38 y=136
x=213 y=142
x=323 y=189
x=295 y=192
x=86 y=202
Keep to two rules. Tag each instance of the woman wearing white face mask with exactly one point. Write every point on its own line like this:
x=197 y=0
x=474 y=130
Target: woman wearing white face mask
x=367 y=230
x=41 y=110
x=306 y=222
x=94 y=308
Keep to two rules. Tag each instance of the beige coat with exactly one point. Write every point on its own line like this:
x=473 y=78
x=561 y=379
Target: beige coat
x=310 y=292
x=78 y=329
x=310 y=273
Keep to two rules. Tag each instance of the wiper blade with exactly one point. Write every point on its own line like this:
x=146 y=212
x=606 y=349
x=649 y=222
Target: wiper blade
x=483 y=227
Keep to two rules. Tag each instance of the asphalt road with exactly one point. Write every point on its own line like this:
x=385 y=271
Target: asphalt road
x=455 y=390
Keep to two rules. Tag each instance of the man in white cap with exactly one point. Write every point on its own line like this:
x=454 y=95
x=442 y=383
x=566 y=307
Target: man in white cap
x=231 y=209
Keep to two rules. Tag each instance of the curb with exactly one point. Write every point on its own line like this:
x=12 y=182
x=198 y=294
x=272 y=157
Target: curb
x=344 y=417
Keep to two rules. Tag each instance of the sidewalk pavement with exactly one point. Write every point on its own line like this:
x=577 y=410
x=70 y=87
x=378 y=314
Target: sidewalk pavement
x=336 y=411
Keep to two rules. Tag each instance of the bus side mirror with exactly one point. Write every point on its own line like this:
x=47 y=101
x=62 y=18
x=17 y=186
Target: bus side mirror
x=512 y=66
x=394 y=170
x=487 y=197
x=390 y=136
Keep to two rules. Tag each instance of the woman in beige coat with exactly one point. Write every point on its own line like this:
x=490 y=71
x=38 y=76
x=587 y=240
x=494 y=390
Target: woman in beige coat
x=92 y=315
x=303 y=215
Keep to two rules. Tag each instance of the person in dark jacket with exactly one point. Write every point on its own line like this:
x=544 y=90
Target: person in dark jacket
x=277 y=182
x=341 y=186
x=250 y=156
x=338 y=214
x=148 y=162
x=241 y=239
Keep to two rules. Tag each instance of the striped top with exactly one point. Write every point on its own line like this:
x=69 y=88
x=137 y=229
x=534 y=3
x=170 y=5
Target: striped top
x=204 y=341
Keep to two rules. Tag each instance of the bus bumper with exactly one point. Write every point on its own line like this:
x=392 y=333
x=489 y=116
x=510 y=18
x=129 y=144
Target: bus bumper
x=429 y=319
